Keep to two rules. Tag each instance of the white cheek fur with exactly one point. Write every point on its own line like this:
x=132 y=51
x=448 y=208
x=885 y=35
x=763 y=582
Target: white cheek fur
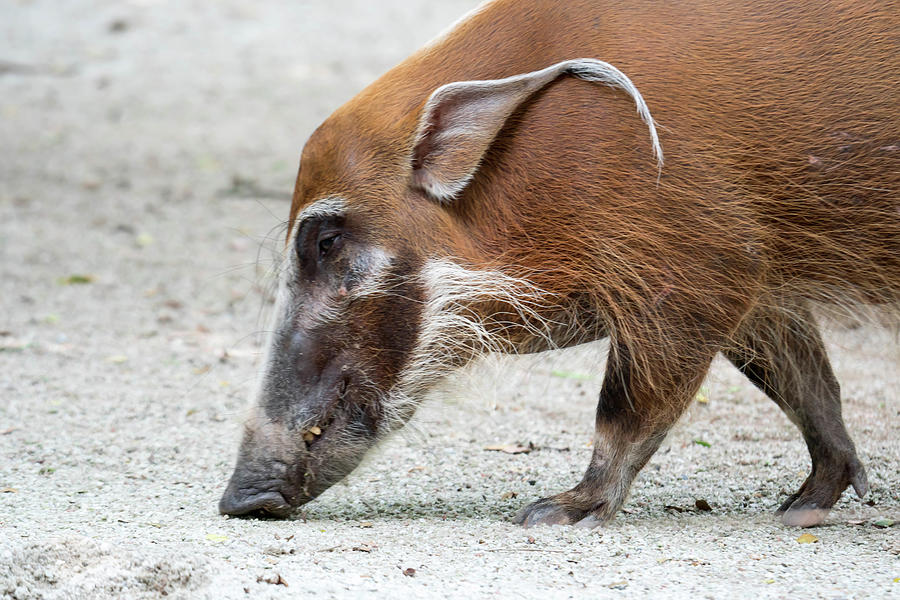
x=451 y=333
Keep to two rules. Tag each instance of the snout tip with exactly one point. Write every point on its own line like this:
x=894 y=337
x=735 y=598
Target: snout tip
x=267 y=504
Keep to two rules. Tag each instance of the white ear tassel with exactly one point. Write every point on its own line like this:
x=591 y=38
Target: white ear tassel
x=603 y=72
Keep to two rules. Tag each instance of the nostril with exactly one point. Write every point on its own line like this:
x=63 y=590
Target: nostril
x=250 y=503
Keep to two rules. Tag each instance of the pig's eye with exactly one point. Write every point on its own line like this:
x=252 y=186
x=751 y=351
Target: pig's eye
x=327 y=241
x=317 y=240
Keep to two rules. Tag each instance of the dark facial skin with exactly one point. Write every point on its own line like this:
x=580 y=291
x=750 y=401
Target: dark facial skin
x=347 y=321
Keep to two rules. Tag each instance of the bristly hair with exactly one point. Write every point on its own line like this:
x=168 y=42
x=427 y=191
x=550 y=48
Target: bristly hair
x=469 y=313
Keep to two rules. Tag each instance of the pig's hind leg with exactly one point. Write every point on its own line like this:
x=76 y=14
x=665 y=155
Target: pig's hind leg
x=783 y=355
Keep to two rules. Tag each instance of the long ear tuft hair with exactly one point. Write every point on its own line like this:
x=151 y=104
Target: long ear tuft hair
x=461 y=120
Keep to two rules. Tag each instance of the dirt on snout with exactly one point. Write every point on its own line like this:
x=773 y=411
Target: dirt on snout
x=147 y=152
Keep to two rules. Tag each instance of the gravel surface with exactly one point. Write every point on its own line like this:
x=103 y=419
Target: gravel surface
x=147 y=153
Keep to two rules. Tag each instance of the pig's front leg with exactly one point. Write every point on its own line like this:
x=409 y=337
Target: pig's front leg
x=633 y=417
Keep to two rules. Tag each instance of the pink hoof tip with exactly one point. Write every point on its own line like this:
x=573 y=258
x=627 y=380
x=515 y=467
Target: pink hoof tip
x=804 y=517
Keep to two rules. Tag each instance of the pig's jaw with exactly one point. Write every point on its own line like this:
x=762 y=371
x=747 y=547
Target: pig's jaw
x=281 y=467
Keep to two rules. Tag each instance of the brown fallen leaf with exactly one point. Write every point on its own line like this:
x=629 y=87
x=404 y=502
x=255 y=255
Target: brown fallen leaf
x=8 y=430
x=366 y=524
x=807 y=538
x=410 y=572
x=703 y=505
x=508 y=495
x=275 y=579
x=364 y=548
x=510 y=448
x=8 y=490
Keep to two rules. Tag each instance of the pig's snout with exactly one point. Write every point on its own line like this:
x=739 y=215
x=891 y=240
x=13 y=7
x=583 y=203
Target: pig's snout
x=242 y=498
x=263 y=482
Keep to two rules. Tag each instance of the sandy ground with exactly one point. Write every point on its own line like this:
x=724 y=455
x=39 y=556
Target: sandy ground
x=150 y=147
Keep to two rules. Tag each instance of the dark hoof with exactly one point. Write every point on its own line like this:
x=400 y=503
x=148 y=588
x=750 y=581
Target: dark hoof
x=859 y=480
x=548 y=511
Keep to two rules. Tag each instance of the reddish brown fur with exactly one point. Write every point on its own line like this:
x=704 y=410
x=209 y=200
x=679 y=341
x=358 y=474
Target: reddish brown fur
x=780 y=127
x=780 y=124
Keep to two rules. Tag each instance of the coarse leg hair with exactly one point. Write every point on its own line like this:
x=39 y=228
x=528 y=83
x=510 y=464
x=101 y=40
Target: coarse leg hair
x=782 y=353
x=633 y=418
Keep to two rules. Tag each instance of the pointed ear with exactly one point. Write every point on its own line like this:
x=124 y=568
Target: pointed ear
x=461 y=120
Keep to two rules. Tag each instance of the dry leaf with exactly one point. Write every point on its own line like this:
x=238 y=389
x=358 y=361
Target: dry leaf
x=13 y=345
x=366 y=524
x=410 y=572
x=508 y=495
x=510 y=448
x=76 y=280
x=275 y=579
x=8 y=490
x=703 y=505
x=143 y=240
x=807 y=538
x=315 y=430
